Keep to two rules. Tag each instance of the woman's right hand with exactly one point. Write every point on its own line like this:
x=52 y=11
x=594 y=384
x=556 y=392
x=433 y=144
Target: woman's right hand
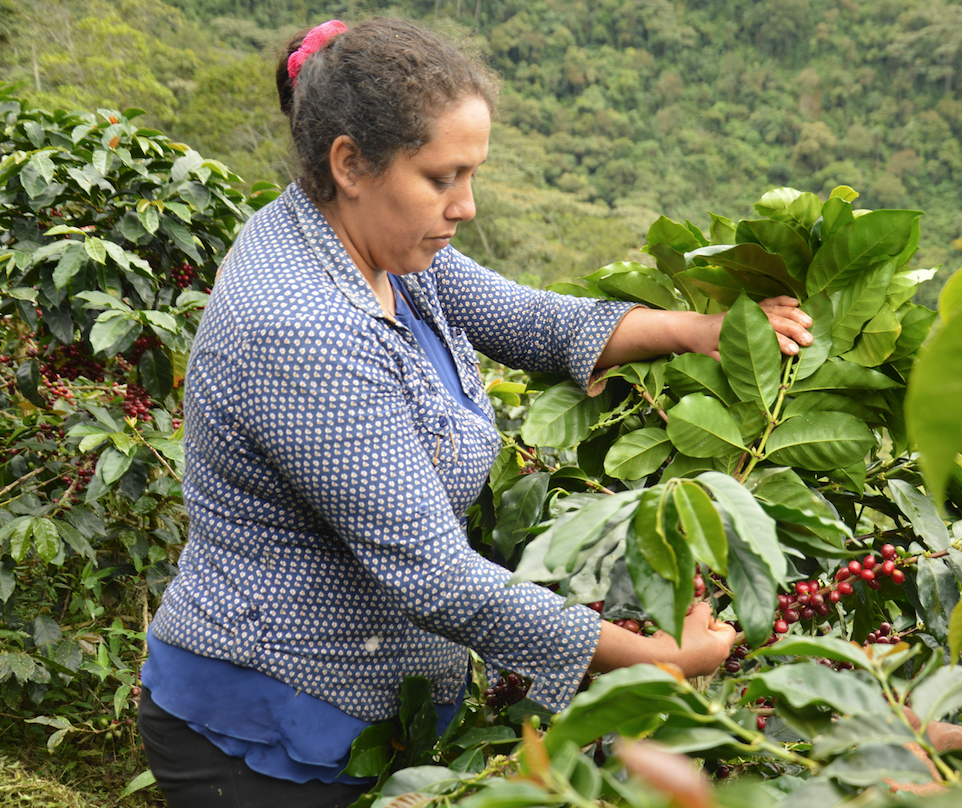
x=705 y=644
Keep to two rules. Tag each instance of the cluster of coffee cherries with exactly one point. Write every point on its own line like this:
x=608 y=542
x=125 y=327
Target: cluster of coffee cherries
x=811 y=599
x=509 y=690
x=85 y=474
x=627 y=623
x=141 y=345
x=71 y=362
x=182 y=274
x=871 y=568
x=734 y=662
x=882 y=636
x=137 y=401
x=58 y=388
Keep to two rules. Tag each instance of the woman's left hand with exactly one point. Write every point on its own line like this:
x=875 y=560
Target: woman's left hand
x=791 y=324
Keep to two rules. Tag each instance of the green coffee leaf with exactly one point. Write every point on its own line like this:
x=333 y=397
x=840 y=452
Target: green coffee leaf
x=950 y=298
x=562 y=416
x=837 y=374
x=697 y=373
x=812 y=357
x=156 y=373
x=638 y=454
x=780 y=238
x=630 y=281
x=748 y=520
x=809 y=533
x=520 y=510
x=751 y=579
x=750 y=355
x=858 y=246
x=702 y=526
x=922 y=513
x=939 y=695
x=700 y=426
x=857 y=303
x=873 y=763
x=649 y=534
x=46 y=538
x=588 y=526
x=820 y=441
x=933 y=414
x=955 y=633
x=827 y=647
x=808 y=683
x=141 y=781
x=877 y=340
x=616 y=701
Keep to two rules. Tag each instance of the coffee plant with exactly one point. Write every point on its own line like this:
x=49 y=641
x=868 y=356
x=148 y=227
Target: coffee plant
x=110 y=236
x=814 y=500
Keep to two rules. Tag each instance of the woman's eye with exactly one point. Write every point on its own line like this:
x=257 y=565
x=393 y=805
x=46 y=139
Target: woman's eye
x=444 y=182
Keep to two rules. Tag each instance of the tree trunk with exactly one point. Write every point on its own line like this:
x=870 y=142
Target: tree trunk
x=36 y=68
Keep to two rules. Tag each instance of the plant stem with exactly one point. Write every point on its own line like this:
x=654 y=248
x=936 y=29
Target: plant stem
x=754 y=739
x=23 y=479
x=647 y=397
x=140 y=439
x=531 y=456
x=758 y=453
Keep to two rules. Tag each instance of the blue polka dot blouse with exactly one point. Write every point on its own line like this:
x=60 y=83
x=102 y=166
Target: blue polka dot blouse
x=328 y=472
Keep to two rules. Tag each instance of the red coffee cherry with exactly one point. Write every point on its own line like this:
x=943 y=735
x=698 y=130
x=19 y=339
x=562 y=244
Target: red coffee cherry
x=842 y=574
x=807 y=613
x=784 y=601
x=801 y=588
x=867 y=574
x=791 y=616
x=898 y=576
x=846 y=588
x=781 y=627
x=760 y=722
x=868 y=562
x=834 y=596
x=888 y=551
x=854 y=567
x=888 y=567
x=874 y=584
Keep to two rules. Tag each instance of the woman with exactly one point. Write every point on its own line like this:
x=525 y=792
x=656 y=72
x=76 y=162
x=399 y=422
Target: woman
x=337 y=430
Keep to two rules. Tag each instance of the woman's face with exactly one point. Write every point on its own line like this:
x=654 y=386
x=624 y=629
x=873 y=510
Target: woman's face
x=398 y=221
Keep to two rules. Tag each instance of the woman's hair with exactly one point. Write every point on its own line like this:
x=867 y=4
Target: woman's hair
x=383 y=84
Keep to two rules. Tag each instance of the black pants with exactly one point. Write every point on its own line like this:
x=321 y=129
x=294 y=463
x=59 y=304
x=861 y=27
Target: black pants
x=193 y=773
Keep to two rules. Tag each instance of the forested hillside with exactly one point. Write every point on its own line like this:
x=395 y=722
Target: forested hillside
x=614 y=111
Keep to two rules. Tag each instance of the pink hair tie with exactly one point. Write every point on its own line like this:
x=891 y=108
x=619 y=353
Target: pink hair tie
x=316 y=39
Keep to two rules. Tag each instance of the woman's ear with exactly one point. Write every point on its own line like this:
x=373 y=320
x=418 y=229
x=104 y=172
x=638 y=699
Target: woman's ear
x=345 y=157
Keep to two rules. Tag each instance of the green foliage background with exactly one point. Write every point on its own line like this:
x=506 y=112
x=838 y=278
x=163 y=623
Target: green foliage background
x=613 y=112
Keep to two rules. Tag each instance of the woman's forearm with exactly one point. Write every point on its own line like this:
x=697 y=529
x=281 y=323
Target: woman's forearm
x=644 y=333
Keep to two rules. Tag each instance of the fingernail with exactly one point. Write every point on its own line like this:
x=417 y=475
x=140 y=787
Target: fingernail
x=806 y=339
x=792 y=348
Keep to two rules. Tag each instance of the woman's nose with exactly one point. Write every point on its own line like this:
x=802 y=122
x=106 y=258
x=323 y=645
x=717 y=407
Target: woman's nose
x=462 y=208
